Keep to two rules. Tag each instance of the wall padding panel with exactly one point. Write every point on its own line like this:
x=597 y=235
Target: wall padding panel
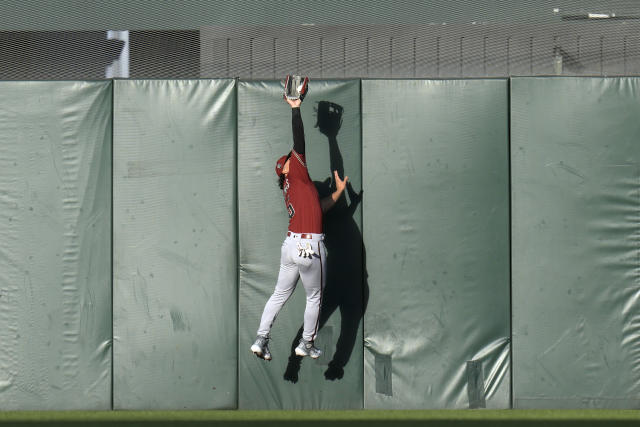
x=175 y=266
x=55 y=241
x=575 y=159
x=436 y=229
x=331 y=115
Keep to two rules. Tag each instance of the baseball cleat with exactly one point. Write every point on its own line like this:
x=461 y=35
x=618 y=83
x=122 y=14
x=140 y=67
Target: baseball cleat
x=260 y=348
x=306 y=348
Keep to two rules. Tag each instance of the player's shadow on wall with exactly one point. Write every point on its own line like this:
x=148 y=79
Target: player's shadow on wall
x=346 y=287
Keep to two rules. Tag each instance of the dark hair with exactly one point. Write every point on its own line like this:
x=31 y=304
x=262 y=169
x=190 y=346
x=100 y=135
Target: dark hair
x=281 y=177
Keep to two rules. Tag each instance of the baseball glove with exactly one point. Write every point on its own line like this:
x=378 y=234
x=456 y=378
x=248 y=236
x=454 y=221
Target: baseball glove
x=296 y=87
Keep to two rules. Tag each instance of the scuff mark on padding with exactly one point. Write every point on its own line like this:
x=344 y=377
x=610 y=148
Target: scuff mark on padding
x=383 y=374
x=475 y=384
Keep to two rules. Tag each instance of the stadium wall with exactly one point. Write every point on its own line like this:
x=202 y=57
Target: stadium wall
x=485 y=255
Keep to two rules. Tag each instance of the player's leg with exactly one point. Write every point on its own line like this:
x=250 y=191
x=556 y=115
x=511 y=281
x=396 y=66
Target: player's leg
x=287 y=279
x=286 y=284
x=313 y=275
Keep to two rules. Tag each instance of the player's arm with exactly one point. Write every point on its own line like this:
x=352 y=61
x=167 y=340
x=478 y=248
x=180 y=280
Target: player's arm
x=328 y=202
x=296 y=125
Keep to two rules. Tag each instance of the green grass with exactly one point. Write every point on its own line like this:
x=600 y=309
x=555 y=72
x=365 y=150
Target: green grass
x=329 y=418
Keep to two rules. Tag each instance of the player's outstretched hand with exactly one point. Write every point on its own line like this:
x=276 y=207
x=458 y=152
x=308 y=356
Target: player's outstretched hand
x=340 y=184
x=293 y=102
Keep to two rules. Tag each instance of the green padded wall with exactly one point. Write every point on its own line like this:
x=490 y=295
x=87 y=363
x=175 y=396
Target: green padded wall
x=436 y=230
x=264 y=134
x=575 y=156
x=175 y=274
x=55 y=243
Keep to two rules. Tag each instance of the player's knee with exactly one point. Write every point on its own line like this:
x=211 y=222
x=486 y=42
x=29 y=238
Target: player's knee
x=283 y=292
x=314 y=295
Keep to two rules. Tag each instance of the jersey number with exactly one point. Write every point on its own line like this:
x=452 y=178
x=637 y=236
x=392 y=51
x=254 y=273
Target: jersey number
x=291 y=211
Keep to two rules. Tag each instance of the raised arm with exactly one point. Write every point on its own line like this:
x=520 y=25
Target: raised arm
x=297 y=126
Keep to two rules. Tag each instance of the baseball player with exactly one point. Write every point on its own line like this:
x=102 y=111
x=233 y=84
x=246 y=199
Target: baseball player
x=303 y=254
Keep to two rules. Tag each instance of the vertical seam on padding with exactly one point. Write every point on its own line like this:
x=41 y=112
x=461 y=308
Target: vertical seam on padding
x=113 y=84
x=509 y=83
x=237 y=224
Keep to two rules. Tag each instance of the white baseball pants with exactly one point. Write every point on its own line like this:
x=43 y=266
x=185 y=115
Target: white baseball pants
x=304 y=259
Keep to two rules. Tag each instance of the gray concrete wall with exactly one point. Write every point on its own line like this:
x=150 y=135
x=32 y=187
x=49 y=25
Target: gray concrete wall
x=382 y=51
x=569 y=47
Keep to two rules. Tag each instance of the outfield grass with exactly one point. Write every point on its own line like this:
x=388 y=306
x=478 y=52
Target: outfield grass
x=329 y=418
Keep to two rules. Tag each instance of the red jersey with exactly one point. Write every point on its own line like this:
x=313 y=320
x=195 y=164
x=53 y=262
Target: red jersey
x=301 y=198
